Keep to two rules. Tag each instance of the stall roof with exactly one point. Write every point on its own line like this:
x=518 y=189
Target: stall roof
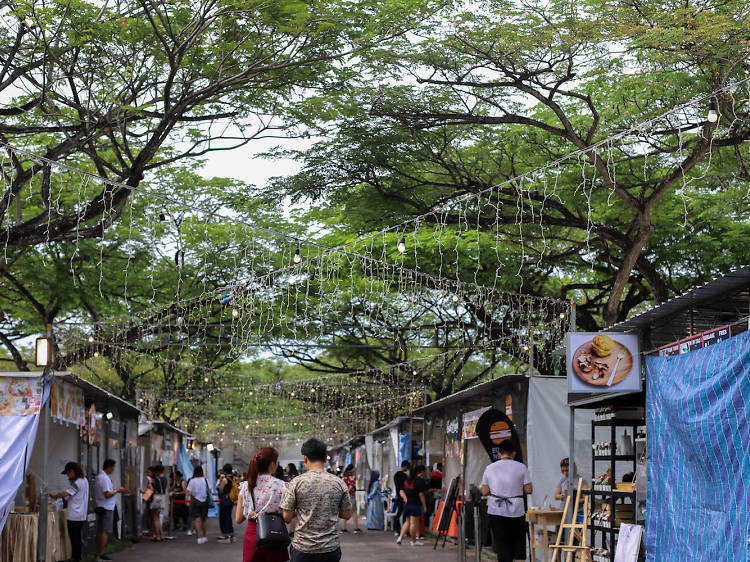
x=171 y=427
x=393 y=423
x=476 y=395
x=97 y=392
x=725 y=300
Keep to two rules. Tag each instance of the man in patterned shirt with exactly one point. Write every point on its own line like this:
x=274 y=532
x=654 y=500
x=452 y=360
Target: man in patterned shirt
x=317 y=499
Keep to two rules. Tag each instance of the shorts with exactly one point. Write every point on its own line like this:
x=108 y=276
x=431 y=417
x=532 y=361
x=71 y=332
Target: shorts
x=105 y=519
x=200 y=509
x=508 y=537
x=413 y=510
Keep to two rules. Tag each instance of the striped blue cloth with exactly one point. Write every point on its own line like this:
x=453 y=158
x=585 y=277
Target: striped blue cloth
x=698 y=408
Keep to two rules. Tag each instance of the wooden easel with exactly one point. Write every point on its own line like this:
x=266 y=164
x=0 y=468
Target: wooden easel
x=577 y=530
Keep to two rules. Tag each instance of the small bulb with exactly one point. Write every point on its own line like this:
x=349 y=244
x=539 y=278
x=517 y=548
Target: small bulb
x=455 y=298
x=525 y=347
x=96 y=354
x=91 y=339
x=235 y=312
x=297 y=256
x=205 y=379
x=562 y=315
x=713 y=114
x=402 y=245
x=179 y=320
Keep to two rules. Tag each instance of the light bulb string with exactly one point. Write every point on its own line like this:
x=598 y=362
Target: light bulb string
x=341 y=248
x=485 y=345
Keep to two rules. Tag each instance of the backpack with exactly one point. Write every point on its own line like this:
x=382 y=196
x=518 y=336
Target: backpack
x=234 y=490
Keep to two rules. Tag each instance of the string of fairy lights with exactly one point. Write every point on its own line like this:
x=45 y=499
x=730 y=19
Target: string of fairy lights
x=239 y=285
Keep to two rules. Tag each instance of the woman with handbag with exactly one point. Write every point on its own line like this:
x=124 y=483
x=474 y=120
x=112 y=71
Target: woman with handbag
x=199 y=494
x=260 y=503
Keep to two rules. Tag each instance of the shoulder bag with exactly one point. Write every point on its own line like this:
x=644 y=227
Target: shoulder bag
x=148 y=493
x=209 y=496
x=271 y=531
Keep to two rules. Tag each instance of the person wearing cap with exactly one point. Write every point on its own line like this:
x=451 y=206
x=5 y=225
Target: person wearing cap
x=77 y=496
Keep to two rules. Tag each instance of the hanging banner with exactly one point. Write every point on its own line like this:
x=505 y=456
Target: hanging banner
x=699 y=341
x=599 y=362
x=493 y=427
x=20 y=396
x=470 y=423
x=66 y=403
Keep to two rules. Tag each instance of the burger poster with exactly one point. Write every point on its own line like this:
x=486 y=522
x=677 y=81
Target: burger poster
x=599 y=362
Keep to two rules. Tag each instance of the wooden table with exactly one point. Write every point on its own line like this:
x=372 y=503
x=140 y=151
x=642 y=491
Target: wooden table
x=18 y=541
x=546 y=518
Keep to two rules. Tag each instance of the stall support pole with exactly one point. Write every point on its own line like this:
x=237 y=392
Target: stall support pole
x=477 y=538
x=41 y=543
x=461 y=531
x=411 y=439
x=572 y=476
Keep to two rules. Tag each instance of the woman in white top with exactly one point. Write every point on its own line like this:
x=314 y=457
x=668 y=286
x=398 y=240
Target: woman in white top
x=77 y=495
x=267 y=492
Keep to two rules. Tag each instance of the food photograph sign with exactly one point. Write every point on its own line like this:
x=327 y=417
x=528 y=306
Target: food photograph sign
x=600 y=362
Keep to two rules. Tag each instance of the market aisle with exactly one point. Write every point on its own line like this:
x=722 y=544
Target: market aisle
x=370 y=546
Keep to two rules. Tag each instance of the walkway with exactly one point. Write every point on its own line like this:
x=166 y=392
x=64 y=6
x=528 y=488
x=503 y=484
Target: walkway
x=370 y=546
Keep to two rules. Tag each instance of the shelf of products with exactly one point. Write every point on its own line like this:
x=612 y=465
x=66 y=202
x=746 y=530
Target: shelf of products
x=608 y=504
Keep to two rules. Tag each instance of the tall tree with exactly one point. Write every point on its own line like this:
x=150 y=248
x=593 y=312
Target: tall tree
x=484 y=95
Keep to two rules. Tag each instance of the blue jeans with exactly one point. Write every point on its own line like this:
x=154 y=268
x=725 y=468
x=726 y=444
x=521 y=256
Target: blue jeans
x=299 y=556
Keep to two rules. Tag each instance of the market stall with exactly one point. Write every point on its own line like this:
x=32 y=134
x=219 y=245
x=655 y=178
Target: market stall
x=697 y=357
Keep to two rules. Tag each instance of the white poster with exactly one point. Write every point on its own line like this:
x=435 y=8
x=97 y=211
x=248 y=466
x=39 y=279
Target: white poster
x=603 y=362
x=628 y=543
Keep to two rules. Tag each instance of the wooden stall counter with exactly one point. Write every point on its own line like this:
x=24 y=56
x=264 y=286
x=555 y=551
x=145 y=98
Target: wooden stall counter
x=542 y=519
x=18 y=541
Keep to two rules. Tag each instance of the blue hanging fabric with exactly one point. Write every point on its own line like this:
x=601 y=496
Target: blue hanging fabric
x=183 y=463
x=403 y=448
x=698 y=408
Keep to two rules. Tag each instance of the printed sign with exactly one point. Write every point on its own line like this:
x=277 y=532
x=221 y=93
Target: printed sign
x=493 y=427
x=603 y=362
x=20 y=396
x=470 y=423
x=66 y=403
x=696 y=342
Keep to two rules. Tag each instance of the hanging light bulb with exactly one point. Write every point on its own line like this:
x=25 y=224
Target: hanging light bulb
x=455 y=298
x=297 y=256
x=713 y=113
x=402 y=245
x=235 y=312
x=91 y=339
x=205 y=379
x=179 y=320
x=96 y=354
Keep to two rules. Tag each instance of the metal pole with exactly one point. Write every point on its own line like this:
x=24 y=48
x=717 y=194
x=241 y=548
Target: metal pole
x=477 y=538
x=573 y=316
x=571 y=452
x=41 y=544
x=411 y=437
x=461 y=531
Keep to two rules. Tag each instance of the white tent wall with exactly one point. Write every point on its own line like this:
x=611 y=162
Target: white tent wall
x=63 y=448
x=547 y=429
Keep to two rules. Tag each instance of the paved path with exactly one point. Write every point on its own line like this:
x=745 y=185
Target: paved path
x=370 y=546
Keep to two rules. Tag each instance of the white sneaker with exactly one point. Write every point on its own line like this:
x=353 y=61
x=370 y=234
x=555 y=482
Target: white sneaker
x=202 y=540
x=189 y=532
x=417 y=543
x=399 y=539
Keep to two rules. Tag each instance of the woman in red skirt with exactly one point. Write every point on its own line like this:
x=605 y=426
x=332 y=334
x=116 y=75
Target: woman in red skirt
x=267 y=492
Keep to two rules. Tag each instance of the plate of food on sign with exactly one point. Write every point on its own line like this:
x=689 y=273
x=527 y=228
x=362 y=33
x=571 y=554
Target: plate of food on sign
x=602 y=361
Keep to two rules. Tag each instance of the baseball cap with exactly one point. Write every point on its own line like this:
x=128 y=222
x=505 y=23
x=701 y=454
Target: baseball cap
x=69 y=466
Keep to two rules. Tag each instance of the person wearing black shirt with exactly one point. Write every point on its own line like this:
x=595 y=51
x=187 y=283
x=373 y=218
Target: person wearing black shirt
x=398 y=502
x=413 y=494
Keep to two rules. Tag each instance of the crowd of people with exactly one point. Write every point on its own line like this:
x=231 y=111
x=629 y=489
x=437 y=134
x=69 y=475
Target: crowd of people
x=305 y=511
